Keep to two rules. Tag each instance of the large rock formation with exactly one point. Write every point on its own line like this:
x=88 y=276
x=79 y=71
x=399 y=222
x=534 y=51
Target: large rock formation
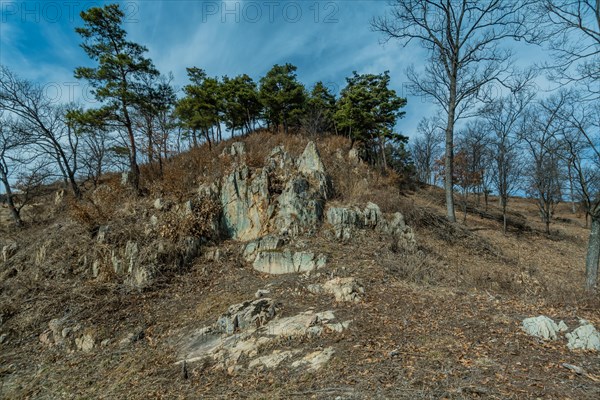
x=284 y=197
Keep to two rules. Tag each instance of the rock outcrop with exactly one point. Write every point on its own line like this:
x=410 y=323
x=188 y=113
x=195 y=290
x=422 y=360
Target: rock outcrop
x=346 y=220
x=585 y=337
x=247 y=326
x=269 y=255
x=541 y=327
x=284 y=197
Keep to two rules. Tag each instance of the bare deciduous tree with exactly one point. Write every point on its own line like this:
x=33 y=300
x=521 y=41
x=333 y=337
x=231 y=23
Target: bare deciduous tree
x=40 y=117
x=426 y=148
x=572 y=31
x=463 y=40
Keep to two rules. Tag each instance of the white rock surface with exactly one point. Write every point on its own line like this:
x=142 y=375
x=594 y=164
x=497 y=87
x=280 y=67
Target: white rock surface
x=585 y=337
x=542 y=327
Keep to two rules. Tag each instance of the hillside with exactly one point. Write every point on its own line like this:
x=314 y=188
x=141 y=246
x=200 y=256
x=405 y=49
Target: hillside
x=271 y=266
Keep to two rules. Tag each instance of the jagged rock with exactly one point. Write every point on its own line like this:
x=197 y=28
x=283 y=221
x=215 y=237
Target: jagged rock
x=9 y=250
x=125 y=179
x=59 y=197
x=315 y=360
x=310 y=160
x=585 y=337
x=274 y=359
x=159 y=204
x=246 y=204
x=345 y=221
x=281 y=160
x=300 y=208
x=344 y=289
x=287 y=262
x=354 y=155
x=102 y=234
x=542 y=327
x=373 y=217
x=246 y=315
x=265 y=243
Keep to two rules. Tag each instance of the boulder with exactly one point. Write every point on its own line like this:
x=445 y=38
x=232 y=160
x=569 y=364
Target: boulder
x=585 y=337
x=288 y=262
x=541 y=327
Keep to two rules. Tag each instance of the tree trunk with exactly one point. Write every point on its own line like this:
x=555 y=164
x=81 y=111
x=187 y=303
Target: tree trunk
x=593 y=255
x=9 y=199
x=504 y=215
x=134 y=169
x=449 y=159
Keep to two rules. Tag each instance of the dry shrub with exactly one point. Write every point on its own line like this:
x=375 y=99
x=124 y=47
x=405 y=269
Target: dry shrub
x=416 y=266
x=100 y=206
x=199 y=220
x=450 y=233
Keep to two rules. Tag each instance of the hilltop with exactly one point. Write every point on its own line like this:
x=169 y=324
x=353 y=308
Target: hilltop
x=282 y=266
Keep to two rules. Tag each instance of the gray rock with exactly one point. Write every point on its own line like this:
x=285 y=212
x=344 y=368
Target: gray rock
x=158 y=204
x=260 y=293
x=345 y=221
x=542 y=327
x=265 y=243
x=245 y=200
x=562 y=327
x=310 y=160
x=215 y=343
x=280 y=160
x=300 y=208
x=237 y=149
x=287 y=262
x=373 y=216
x=125 y=179
x=250 y=314
x=585 y=337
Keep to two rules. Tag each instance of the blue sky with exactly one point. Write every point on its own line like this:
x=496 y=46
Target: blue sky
x=326 y=40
